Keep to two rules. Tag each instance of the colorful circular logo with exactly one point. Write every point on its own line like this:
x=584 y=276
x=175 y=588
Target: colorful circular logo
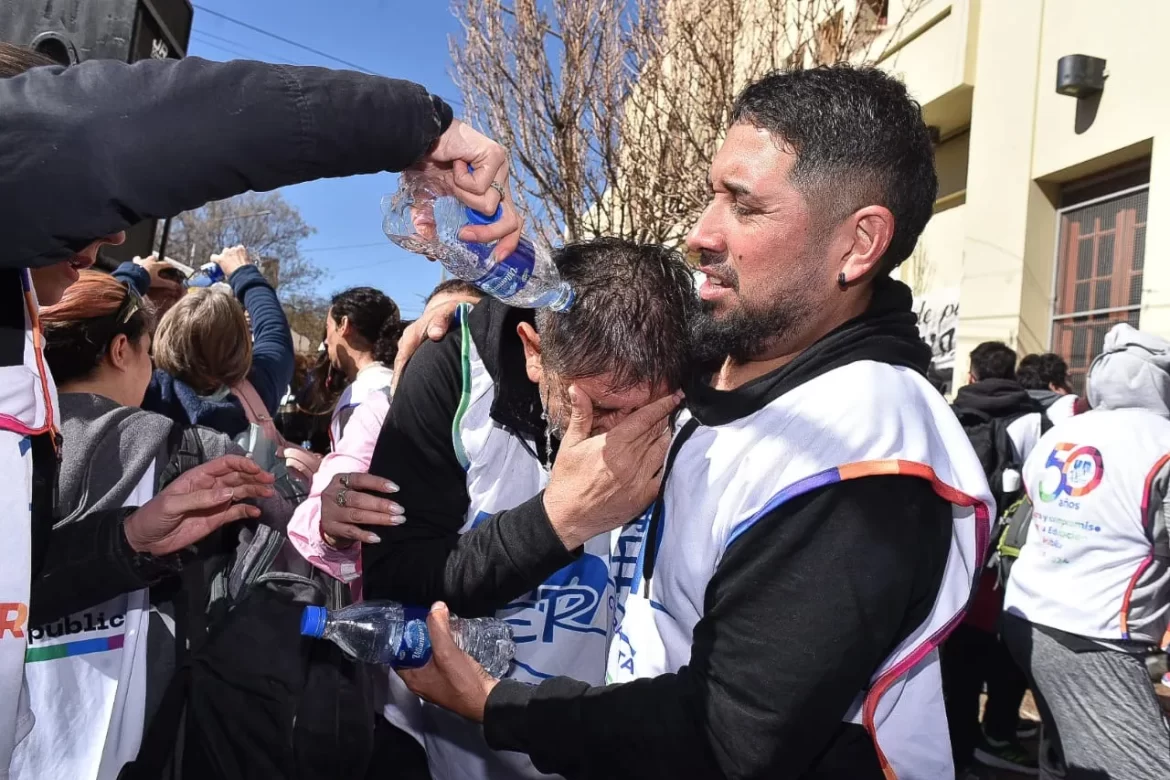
x=1072 y=470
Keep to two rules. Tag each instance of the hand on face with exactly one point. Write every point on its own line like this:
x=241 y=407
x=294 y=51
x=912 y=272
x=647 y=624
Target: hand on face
x=599 y=483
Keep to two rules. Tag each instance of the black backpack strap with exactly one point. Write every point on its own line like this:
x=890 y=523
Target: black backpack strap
x=162 y=737
x=184 y=452
x=1045 y=422
x=160 y=740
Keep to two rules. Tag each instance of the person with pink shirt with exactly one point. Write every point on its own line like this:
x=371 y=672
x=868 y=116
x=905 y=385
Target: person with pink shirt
x=329 y=544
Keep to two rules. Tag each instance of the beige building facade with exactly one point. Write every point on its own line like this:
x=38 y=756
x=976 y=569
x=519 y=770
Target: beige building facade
x=1053 y=217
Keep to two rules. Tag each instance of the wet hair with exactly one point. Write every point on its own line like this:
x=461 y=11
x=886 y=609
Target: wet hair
x=80 y=327
x=454 y=287
x=993 y=360
x=204 y=341
x=15 y=60
x=859 y=140
x=1039 y=372
x=374 y=317
x=631 y=318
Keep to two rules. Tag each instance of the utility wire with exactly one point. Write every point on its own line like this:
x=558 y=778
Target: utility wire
x=300 y=45
x=289 y=41
x=246 y=49
x=345 y=246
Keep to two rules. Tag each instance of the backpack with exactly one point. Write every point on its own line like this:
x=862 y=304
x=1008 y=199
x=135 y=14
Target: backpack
x=263 y=443
x=1012 y=530
x=251 y=697
x=997 y=455
x=1012 y=535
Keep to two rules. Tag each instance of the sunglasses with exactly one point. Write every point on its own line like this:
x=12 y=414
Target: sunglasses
x=130 y=306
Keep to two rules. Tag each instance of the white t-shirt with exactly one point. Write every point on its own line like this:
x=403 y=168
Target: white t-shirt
x=1062 y=408
x=87 y=679
x=374 y=378
x=1024 y=433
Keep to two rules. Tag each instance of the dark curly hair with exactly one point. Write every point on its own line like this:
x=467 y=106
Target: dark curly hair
x=1040 y=372
x=375 y=317
x=859 y=140
x=993 y=360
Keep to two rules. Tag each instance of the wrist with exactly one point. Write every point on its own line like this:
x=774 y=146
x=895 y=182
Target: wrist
x=147 y=566
x=444 y=116
x=564 y=525
x=488 y=685
x=137 y=544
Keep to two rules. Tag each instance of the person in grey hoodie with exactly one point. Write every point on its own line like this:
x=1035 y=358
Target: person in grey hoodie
x=96 y=675
x=1089 y=596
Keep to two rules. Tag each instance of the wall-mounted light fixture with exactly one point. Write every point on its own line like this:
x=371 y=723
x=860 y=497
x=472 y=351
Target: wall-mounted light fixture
x=1079 y=75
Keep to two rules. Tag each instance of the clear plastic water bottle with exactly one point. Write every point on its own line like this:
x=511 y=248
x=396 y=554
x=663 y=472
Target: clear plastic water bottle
x=207 y=275
x=421 y=222
x=385 y=632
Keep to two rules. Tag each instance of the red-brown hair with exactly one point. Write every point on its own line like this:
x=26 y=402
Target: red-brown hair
x=79 y=328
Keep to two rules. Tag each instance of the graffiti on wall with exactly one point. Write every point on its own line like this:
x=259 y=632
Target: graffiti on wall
x=938 y=319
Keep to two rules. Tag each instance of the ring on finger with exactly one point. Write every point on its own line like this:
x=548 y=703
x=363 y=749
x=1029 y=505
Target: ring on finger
x=344 y=481
x=339 y=499
x=500 y=189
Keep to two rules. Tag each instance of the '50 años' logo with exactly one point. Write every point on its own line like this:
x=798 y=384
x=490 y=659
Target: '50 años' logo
x=1071 y=470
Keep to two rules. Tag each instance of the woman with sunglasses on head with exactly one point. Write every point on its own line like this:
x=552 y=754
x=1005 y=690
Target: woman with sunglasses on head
x=93 y=683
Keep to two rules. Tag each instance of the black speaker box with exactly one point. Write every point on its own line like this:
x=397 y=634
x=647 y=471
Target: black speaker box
x=72 y=31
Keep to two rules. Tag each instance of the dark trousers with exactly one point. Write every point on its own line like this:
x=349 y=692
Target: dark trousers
x=971 y=658
x=397 y=755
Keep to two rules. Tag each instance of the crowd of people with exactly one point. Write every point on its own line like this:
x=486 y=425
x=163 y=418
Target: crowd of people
x=735 y=530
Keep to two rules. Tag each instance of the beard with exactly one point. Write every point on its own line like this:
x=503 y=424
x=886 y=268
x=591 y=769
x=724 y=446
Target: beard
x=749 y=330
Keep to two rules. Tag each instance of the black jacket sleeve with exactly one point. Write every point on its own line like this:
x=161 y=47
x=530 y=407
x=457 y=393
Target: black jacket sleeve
x=801 y=612
x=426 y=559
x=91 y=149
x=88 y=562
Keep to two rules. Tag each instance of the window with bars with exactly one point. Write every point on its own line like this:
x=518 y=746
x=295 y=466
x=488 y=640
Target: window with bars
x=1099 y=264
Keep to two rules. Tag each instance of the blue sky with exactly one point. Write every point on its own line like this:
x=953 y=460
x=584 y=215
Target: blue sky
x=405 y=39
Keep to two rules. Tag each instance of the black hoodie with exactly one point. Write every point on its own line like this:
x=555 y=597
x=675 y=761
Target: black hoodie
x=995 y=399
x=798 y=616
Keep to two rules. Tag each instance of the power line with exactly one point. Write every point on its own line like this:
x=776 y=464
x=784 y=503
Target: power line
x=289 y=41
x=345 y=246
x=239 y=51
x=244 y=48
x=299 y=45
x=363 y=265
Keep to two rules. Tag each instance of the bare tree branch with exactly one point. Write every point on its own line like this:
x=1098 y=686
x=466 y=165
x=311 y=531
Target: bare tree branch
x=613 y=109
x=272 y=229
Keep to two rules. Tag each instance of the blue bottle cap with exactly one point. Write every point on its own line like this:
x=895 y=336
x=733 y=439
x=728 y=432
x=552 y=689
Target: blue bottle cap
x=476 y=218
x=313 y=621
x=568 y=303
x=479 y=218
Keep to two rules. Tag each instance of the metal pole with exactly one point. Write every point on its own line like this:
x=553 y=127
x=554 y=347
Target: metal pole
x=166 y=234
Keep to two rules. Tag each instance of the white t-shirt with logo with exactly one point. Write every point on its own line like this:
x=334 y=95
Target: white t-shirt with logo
x=87 y=679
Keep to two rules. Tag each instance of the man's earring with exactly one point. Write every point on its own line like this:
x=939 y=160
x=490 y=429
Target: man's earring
x=841 y=282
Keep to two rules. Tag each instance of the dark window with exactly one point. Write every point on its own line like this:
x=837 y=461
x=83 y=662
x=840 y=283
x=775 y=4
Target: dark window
x=1098 y=276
